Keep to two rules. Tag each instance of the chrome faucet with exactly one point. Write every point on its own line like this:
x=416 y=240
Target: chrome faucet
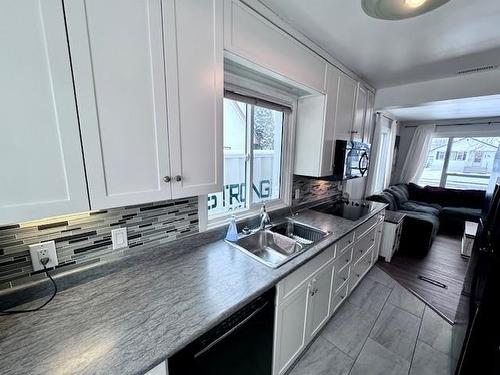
x=265 y=220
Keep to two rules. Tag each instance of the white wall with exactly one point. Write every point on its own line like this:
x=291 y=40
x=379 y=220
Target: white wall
x=463 y=86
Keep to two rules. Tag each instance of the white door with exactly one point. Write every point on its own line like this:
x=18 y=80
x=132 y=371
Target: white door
x=359 y=113
x=290 y=332
x=117 y=54
x=194 y=56
x=319 y=302
x=41 y=163
x=345 y=107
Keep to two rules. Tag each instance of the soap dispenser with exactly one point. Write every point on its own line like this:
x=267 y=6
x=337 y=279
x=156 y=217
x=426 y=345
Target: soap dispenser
x=232 y=231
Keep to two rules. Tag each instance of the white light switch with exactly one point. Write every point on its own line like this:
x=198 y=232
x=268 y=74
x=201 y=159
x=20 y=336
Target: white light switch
x=119 y=238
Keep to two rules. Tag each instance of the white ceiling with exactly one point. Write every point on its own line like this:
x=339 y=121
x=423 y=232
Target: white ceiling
x=486 y=106
x=459 y=35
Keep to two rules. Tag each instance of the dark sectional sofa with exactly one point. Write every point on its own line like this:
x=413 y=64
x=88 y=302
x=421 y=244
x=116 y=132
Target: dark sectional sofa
x=429 y=210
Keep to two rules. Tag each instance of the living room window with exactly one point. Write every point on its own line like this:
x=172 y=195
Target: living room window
x=460 y=162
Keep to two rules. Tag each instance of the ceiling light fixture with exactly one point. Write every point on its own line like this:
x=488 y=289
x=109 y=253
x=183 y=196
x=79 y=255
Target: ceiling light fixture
x=399 y=9
x=414 y=3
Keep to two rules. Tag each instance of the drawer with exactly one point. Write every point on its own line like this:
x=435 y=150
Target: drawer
x=363 y=228
x=340 y=277
x=343 y=259
x=296 y=278
x=339 y=297
x=364 y=244
x=360 y=268
x=344 y=242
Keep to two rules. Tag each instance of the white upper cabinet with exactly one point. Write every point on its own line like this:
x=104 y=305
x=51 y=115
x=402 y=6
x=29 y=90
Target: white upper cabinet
x=345 y=107
x=41 y=163
x=142 y=142
x=195 y=82
x=369 y=120
x=251 y=36
x=120 y=88
x=359 y=113
x=316 y=118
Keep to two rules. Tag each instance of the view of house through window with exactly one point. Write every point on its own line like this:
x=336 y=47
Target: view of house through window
x=460 y=162
x=252 y=157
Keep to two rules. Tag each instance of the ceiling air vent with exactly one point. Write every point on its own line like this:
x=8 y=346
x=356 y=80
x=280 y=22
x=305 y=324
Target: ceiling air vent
x=477 y=69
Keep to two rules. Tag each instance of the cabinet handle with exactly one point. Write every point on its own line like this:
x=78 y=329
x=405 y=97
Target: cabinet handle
x=361 y=251
x=344 y=278
x=347 y=260
x=358 y=275
x=167 y=179
x=178 y=178
x=342 y=297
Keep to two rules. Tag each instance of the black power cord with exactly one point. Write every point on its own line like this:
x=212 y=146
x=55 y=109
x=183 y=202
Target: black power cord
x=43 y=261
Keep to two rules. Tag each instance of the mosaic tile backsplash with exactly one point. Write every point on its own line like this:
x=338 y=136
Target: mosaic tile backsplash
x=86 y=238
x=312 y=189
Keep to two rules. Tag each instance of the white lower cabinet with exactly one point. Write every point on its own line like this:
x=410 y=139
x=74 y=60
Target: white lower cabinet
x=319 y=302
x=160 y=369
x=290 y=328
x=308 y=297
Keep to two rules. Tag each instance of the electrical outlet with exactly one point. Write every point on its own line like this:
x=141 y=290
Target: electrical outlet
x=119 y=238
x=43 y=250
x=297 y=193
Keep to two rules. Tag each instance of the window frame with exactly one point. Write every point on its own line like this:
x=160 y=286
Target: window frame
x=451 y=135
x=266 y=93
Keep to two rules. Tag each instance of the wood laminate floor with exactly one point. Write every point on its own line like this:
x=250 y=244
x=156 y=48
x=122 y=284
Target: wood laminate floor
x=443 y=264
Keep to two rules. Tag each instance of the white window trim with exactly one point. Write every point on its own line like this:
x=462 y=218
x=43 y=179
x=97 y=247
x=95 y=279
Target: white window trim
x=451 y=134
x=251 y=88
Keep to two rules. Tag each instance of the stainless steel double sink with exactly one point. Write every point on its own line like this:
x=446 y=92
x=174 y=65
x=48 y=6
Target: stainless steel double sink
x=279 y=243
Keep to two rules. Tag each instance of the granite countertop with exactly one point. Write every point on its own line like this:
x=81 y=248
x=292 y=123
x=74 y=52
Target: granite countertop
x=394 y=217
x=131 y=320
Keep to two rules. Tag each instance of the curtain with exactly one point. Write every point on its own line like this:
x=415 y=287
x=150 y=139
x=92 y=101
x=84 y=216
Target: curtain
x=417 y=154
x=382 y=149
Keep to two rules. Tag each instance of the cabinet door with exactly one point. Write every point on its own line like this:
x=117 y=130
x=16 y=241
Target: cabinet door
x=332 y=92
x=41 y=162
x=253 y=37
x=194 y=55
x=345 y=107
x=319 y=302
x=290 y=335
x=369 y=120
x=359 y=113
x=378 y=240
x=160 y=369
x=117 y=54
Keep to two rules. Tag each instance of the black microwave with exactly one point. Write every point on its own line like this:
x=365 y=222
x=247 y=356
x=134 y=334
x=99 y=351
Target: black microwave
x=351 y=160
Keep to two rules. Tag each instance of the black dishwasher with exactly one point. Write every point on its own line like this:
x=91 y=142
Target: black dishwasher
x=240 y=345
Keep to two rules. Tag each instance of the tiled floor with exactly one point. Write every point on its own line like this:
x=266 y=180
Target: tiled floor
x=381 y=329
